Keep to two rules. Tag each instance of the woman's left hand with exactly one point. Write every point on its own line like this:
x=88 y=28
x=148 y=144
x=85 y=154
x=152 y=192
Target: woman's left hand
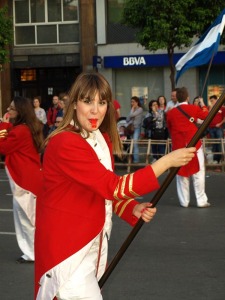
x=3 y=133
x=145 y=211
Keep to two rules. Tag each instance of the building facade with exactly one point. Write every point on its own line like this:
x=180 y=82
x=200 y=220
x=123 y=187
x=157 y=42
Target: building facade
x=54 y=40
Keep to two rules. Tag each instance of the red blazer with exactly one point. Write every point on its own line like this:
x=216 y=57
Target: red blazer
x=71 y=210
x=51 y=114
x=220 y=115
x=21 y=157
x=182 y=131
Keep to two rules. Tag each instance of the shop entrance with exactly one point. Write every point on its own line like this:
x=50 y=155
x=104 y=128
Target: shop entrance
x=44 y=82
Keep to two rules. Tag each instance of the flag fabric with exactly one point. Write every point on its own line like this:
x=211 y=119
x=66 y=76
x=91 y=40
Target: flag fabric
x=204 y=49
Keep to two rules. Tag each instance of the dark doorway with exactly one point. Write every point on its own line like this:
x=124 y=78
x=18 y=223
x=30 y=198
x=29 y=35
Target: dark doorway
x=44 y=82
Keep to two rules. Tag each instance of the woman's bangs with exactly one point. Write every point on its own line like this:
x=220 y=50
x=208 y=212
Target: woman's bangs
x=91 y=93
x=90 y=85
x=87 y=90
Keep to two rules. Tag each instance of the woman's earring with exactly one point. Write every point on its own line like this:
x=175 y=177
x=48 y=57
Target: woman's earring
x=75 y=106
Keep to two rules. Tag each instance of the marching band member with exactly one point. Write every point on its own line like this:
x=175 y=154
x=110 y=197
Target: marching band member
x=81 y=191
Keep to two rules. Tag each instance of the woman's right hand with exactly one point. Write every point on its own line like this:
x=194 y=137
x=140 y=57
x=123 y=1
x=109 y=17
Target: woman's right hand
x=6 y=118
x=180 y=157
x=201 y=102
x=176 y=158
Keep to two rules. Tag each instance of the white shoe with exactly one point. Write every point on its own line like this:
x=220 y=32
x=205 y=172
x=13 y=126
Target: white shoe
x=205 y=205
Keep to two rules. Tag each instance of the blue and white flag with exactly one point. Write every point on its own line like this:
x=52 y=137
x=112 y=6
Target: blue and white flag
x=204 y=49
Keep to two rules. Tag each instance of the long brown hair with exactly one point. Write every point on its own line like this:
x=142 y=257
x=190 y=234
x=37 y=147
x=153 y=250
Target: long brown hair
x=87 y=85
x=26 y=115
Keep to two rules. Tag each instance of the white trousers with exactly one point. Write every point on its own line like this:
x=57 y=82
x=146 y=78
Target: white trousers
x=24 y=205
x=183 y=184
x=83 y=284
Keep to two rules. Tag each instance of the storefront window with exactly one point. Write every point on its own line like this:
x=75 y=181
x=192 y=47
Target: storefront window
x=28 y=75
x=142 y=82
x=215 y=89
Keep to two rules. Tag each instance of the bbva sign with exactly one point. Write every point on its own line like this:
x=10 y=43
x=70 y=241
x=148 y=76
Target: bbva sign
x=134 y=61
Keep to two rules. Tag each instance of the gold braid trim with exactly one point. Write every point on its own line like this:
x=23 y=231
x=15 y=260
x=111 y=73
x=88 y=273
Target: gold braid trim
x=121 y=189
x=117 y=205
x=131 y=186
x=124 y=206
x=115 y=194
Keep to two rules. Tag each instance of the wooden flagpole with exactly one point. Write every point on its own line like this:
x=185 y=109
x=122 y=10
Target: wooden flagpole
x=160 y=192
x=207 y=75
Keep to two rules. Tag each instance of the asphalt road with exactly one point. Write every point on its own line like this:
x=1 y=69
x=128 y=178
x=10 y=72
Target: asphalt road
x=180 y=255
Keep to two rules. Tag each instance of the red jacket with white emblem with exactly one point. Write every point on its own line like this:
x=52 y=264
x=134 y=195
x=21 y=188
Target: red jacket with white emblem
x=182 y=131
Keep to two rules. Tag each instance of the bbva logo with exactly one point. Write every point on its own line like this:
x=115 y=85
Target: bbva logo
x=132 y=61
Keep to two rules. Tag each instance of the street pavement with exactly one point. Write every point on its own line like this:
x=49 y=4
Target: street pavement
x=180 y=255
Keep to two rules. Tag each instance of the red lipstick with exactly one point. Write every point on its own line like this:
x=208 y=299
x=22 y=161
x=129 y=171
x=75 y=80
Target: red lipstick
x=93 y=123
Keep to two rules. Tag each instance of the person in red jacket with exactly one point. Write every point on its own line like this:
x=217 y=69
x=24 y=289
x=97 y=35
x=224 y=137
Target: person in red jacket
x=53 y=111
x=182 y=129
x=20 y=143
x=216 y=129
x=80 y=192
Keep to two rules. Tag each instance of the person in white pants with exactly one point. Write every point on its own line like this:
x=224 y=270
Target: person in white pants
x=24 y=206
x=181 y=123
x=183 y=184
x=21 y=138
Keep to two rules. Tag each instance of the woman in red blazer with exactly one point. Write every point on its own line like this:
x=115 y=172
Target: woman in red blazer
x=80 y=191
x=20 y=143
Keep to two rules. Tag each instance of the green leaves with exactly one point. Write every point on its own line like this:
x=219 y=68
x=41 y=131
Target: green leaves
x=6 y=34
